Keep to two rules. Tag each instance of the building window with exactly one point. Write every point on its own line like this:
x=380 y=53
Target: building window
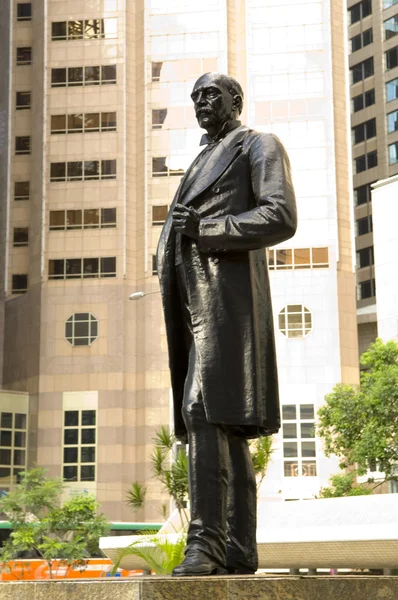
x=363 y=100
x=91 y=29
x=21 y=236
x=22 y=144
x=366 y=289
x=392 y=90
x=182 y=70
x=79 y=447
x=24 y=11
x=81 y=329
x=364 y=225
x=77 y=76
x=299 y=450
x=24 y=56
x=364 y=131
x=159 y=214
x=391 y=27
x=295 y=321
x=158 y=117
x=82 y=268
x=91 y=218
x=13 y=443
x=19 y=284
x=83 y=171
x=83 y=123
x=362 y=70
x=393 y=153
x=362 y=194
x=392 y=58
x=392 y=121
x=21 y=190
x=154 y=265
x=160 y=168
x=361 y=40
x=388 y=3
x=366 y=161
x=298 y=258
x=365 y=257
x=360 y=11
x=22 y=100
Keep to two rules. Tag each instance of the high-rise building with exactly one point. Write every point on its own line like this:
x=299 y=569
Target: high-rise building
x=97 y=128
x=373 y=61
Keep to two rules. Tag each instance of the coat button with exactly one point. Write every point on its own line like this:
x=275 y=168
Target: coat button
x=216 y=261
x=217 y=190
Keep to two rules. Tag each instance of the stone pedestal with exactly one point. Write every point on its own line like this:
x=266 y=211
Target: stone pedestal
x=208 y=588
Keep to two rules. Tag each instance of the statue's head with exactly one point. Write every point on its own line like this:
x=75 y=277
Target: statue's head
x=217 y=98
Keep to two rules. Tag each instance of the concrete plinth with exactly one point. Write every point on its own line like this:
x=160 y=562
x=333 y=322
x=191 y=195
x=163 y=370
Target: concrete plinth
x=214 y=588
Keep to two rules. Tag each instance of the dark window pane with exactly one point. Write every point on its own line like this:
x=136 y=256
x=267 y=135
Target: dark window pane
x=91 y=218
x=309 y=468
x=6 y=438
x=87 y=473
x=58 y=77
x=88 y=417
x=92 y=75
x=88 y=436
x=91 y=169
x=355 y=13
x=21 y=236
x=364 y=225
x=159 y=214
x=58 y=30
x=370 y=98
x=367 y=289
x=358 y=102
x=308 y=449
x=58 y=171
x=75 y=123
x=71 y=418
x=393 y=153
x=108 y=74
x=75 y=75
x=362 y=194
x=57 y=219
x=392 y=58
x=58 y=124
x=90 y=267
x=24 y=56
x=372 y=159
x=108 y=266
x=22 y=100
x=73 y=219
x=19 y=457
x=159 y=168
x=22 y=144
x=356 y=42
x=289 y=430
x=108 y=217
x=366 y=8
x=24 y=11
x=6 y=420
x=91 y=122
x=360 y=164
x=289 y=412
x=21 y=190
x=87 y=454
x=81 y=329
x=307 y=412
x=75 y=30
x=70 y=455
x=156 y=70
x=70 y=473
x=367 y=37
x=5 y=457
x=307 y=430
x=19 y=283
x=108 y=169
x=71 y=437
x=93 y=28
x=290 y=469
x=56 y=269
x=158 y=117
x=108 y=121
x=154 y=264
x=74 y=170
x=4 y=472
x=365 y=257
x=289 y=449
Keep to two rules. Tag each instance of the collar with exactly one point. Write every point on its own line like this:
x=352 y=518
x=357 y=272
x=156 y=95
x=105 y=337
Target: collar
x=226 y=128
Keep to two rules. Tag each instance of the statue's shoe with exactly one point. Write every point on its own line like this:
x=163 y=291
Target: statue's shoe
x=240 y=571
x=196 y=564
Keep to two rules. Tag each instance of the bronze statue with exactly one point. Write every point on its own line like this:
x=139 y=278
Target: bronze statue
x=235 y=199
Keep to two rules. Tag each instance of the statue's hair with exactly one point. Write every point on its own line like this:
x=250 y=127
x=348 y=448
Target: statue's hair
x=233 y=86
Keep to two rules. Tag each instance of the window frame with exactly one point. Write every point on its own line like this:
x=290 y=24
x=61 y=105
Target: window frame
x=298 y=440
x=24 y=17
x=21 y=62
x=19 y=290
x=19 y=106
x=83 y=170
x=80 y=428
x=92 y=324
x=304 y=330
x=24 y=196
x=59 y=268
x=85 y=79
x=275 y=259
x=21 y=140
x=23 y=242
x=102 y=35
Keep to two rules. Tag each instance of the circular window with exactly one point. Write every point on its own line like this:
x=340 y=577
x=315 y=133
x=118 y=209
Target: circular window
x=81 y=329
x=295 y=321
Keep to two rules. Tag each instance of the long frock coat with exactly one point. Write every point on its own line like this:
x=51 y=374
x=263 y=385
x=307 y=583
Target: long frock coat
x=245 y=198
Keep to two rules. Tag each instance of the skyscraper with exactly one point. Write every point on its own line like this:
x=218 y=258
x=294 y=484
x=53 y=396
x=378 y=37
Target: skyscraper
x=99 y=129
x=372 y=27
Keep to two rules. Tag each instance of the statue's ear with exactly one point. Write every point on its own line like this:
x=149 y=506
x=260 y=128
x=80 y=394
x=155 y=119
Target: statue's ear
x=237 y=103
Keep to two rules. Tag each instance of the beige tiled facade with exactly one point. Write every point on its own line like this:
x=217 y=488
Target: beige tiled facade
x=122 y=374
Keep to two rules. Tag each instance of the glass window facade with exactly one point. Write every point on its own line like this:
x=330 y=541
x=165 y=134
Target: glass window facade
x=299 y=448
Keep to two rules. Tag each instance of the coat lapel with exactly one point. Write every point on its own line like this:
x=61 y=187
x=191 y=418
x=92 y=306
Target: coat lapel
x=221 y=158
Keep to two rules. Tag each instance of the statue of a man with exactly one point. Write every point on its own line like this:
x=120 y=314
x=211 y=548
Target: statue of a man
x=235 y=199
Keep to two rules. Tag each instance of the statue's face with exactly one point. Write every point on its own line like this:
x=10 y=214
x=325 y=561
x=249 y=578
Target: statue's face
x=213 y=103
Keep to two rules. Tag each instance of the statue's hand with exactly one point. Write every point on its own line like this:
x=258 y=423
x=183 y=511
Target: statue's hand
x=186 y=221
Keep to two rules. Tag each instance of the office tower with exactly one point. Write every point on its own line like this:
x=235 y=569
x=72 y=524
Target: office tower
x=101 y=128
x=373 y=60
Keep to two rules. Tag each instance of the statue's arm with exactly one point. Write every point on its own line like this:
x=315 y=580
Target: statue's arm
x=273 y=220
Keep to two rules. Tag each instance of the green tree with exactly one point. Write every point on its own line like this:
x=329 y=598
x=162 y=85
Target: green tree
x=344 y=485
x=360 y=424
x=40 y=525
